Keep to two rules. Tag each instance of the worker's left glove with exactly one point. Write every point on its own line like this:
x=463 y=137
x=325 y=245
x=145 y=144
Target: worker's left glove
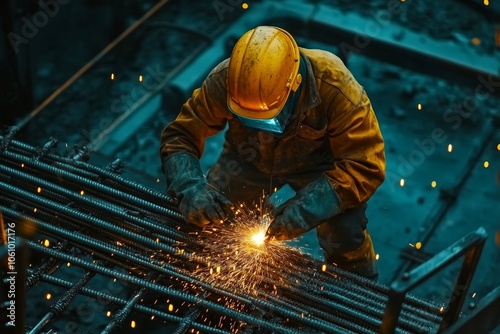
x=311 y=206
x=199 y=202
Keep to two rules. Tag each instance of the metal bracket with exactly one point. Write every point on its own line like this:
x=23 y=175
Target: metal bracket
x=483 y=319
x=469 y=246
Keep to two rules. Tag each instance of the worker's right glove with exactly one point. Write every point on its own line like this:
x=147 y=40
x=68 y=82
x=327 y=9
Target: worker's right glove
x=199 y=202
x=310 y=207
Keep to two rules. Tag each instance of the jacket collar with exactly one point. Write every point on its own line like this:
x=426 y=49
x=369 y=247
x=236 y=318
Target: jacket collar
x=309 y=96
x=311 y=93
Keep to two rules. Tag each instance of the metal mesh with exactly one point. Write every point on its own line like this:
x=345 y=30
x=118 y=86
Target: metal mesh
x=100 y=227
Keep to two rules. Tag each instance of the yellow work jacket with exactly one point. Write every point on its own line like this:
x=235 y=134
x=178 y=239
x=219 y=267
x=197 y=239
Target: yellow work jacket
x=334 y=126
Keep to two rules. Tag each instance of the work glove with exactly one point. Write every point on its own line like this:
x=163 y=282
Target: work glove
x=311 y=206
x=199 y=202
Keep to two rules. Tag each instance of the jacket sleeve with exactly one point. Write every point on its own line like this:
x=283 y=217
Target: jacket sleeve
x=358 y=149
x=204 y=114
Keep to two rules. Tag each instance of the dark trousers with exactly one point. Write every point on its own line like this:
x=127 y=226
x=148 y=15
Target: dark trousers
x=344 y=238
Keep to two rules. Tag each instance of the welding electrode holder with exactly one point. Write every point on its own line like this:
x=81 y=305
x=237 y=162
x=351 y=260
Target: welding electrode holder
x=310 y=207
x=199 y=202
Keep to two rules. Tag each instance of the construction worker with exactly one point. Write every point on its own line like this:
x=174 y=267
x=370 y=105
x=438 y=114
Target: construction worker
x=294 y=116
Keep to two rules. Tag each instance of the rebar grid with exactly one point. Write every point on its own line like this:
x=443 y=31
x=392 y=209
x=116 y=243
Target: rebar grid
x=114 y=229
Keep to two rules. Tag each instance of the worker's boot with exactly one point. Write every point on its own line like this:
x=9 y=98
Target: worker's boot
x=360 y=261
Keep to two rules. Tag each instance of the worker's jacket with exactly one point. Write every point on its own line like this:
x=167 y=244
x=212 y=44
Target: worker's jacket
x=333 y=126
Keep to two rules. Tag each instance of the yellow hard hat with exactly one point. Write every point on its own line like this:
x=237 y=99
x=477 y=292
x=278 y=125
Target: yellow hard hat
x=263 y=70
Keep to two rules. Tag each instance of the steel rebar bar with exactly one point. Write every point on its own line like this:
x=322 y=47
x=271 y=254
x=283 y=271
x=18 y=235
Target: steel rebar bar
x=119 y=317
x=170 y=292
x=91 y=184
x=62 y=303
x=98 y=295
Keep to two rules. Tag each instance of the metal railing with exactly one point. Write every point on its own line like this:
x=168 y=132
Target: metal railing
x=469 y=246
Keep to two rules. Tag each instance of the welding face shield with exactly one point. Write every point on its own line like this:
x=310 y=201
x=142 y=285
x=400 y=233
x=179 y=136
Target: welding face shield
x=264 y=75
x=276 y=124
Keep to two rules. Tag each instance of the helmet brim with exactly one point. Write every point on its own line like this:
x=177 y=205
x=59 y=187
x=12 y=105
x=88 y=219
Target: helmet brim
x=235 y=108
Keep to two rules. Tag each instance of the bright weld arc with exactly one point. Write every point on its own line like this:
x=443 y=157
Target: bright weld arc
x=246 y=260
x=259 y=237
